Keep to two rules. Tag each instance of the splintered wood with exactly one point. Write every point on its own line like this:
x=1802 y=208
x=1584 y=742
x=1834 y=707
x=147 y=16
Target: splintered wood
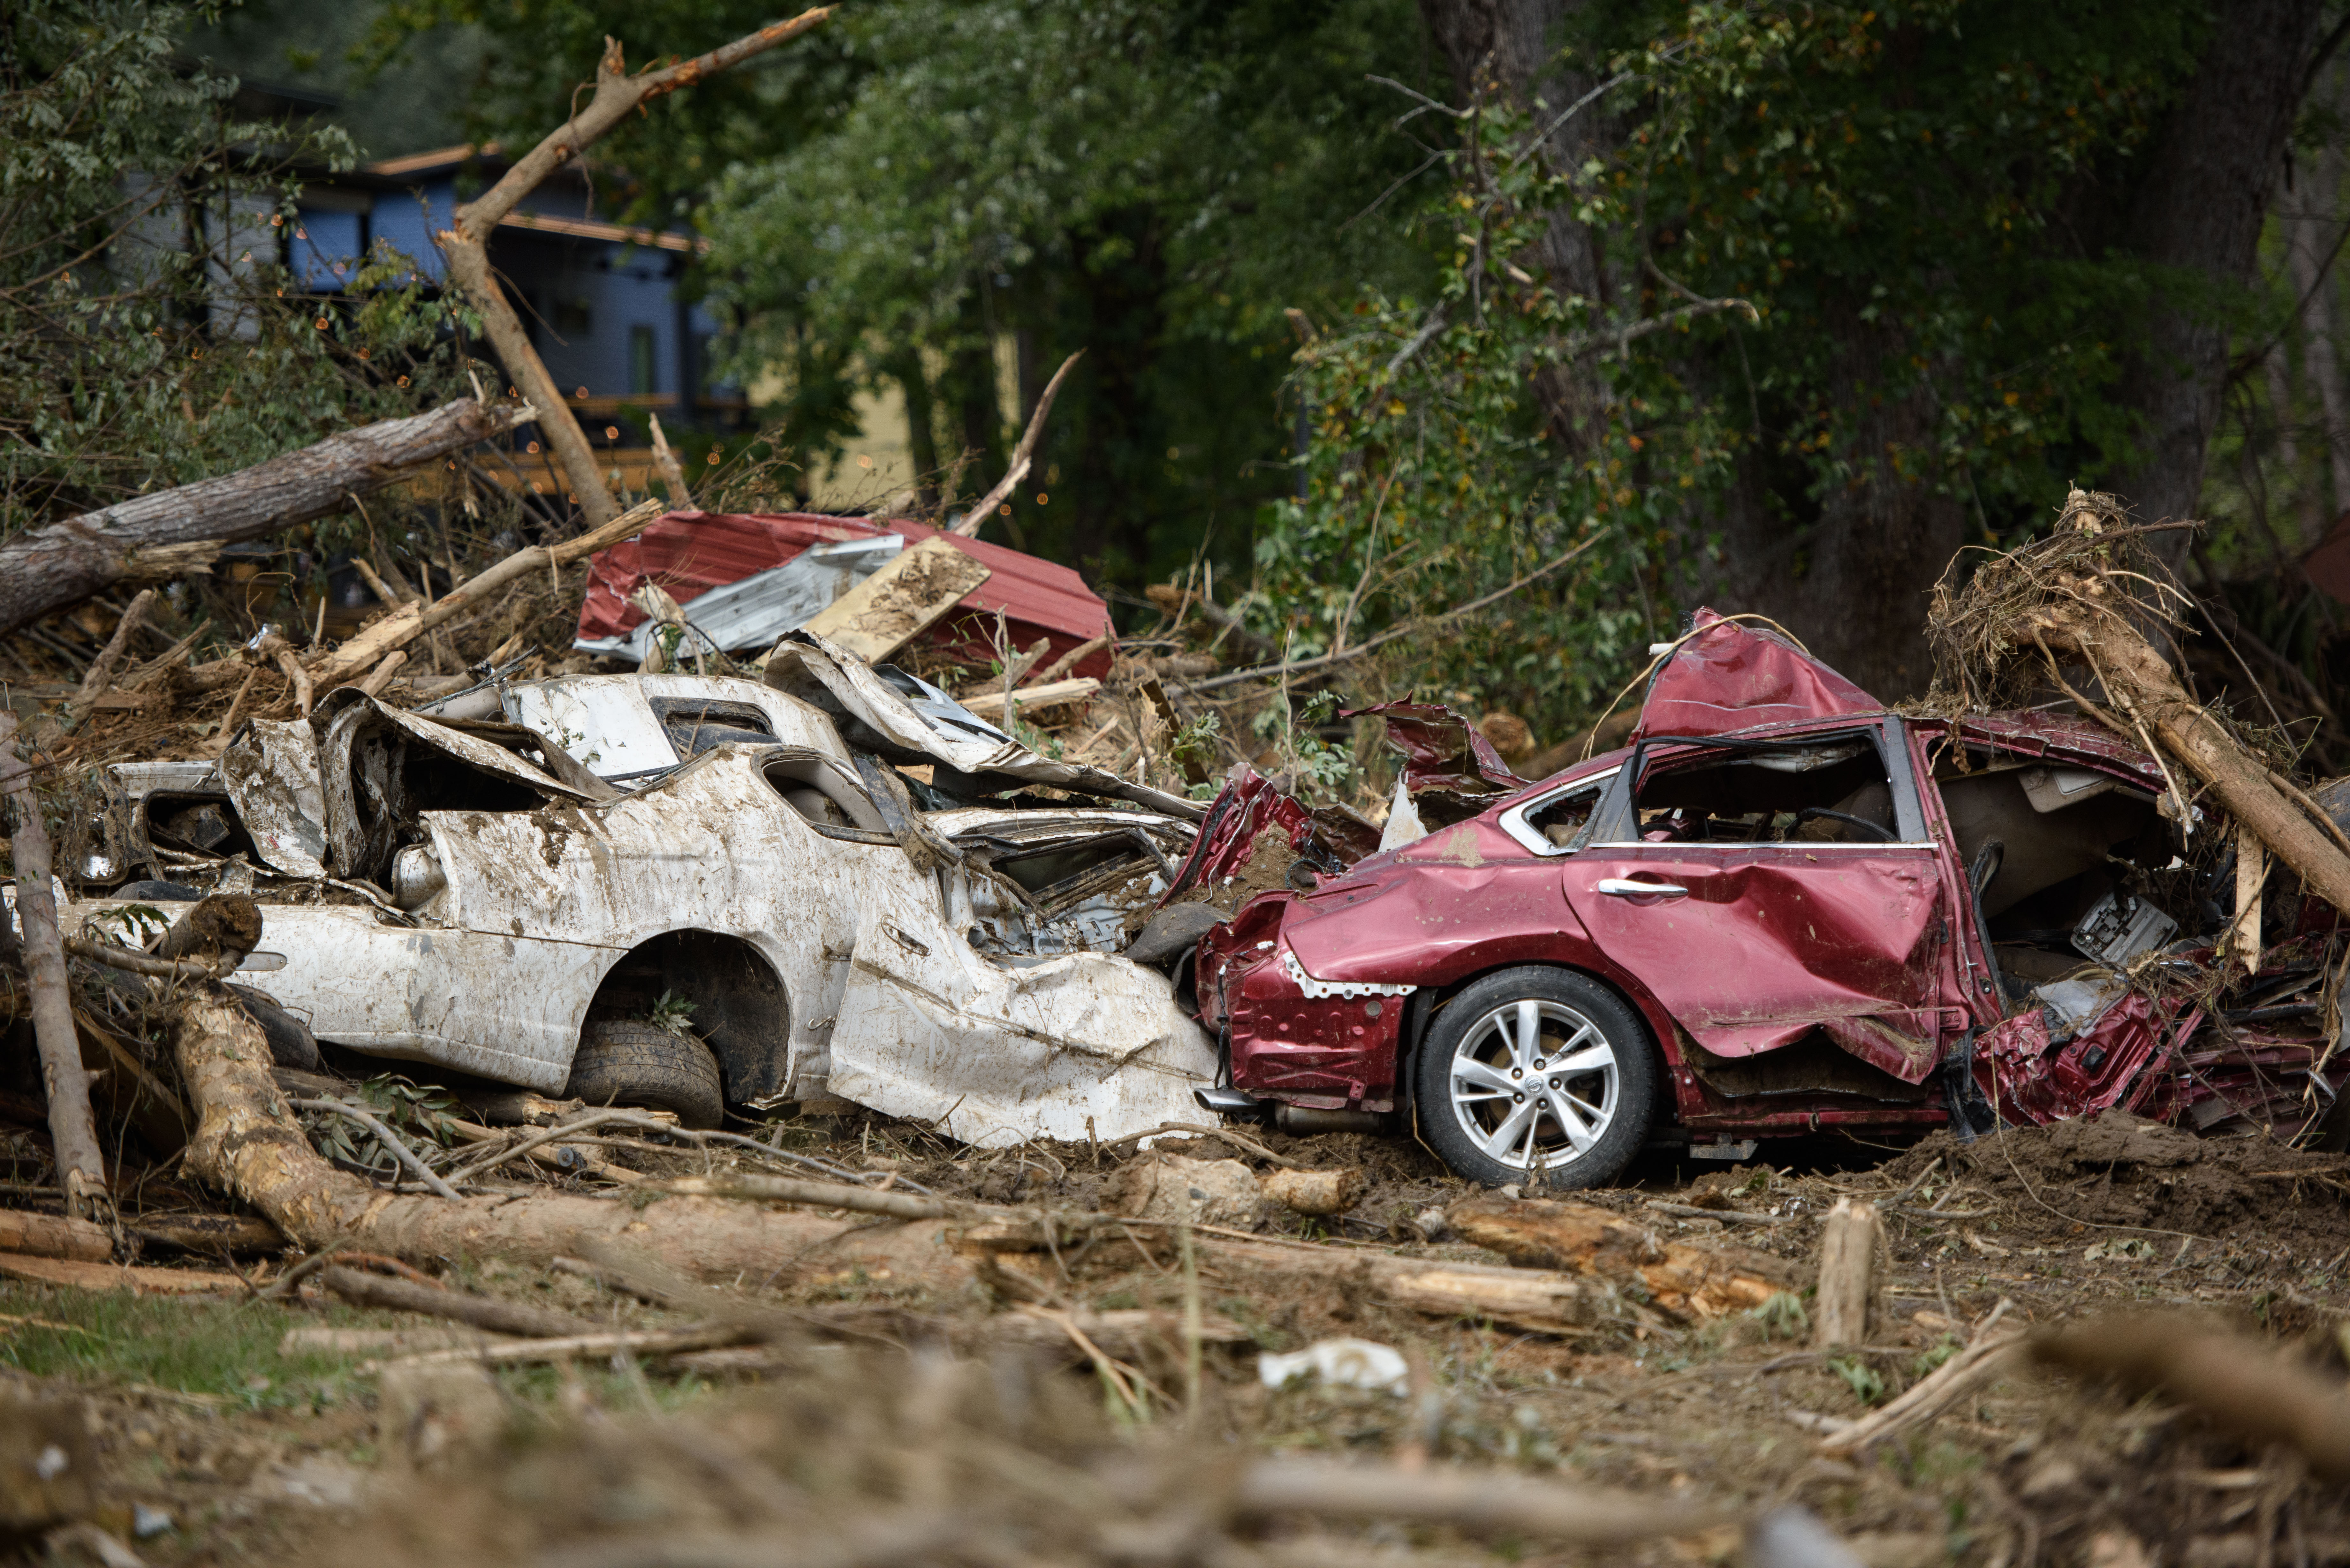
x=1686 y=1281
x=898 y=603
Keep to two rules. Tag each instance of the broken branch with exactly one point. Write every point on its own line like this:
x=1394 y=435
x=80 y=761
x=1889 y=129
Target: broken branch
x=386 y=1137
x=362 y=1289
x=172 y=531
x=73 y=1133
x=1021 y=455
x=465 y=242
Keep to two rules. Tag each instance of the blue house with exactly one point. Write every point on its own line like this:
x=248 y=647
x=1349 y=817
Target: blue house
x=598 y=298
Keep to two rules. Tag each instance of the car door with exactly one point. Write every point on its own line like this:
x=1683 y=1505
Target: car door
x=1760 y=889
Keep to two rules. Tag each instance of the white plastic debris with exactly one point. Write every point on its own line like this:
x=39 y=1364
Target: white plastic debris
x=146 y=1522
x=1340 y=1364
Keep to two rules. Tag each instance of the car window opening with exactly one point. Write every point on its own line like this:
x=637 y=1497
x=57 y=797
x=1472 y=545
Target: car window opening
x=2075 y=869
x=1563 y=819
x=1836 y=792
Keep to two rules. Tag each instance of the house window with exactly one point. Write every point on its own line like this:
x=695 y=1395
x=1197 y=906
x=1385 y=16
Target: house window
x=641 y=359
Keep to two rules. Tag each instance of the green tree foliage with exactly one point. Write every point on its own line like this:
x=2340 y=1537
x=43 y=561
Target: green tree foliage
x=1805 y=217
x=149 y=333
x=919 y=183
x=1151 y=183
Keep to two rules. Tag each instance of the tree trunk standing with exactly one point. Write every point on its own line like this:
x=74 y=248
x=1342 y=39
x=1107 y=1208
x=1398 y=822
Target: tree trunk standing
x=171 y=532
x=1848 y=573
x=2200 y=200
x=1123 y=327
x=922 y=437
x=73 y=1134
x=2308 y=507
x=2312 y=204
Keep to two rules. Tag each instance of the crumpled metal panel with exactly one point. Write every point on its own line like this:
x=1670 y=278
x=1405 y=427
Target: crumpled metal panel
x=1441 y=749
x=806 y=666
x=2120 y=1060
x=1081 y=1047
x=1772 y=940
x=271 y=773
x=1732 y=676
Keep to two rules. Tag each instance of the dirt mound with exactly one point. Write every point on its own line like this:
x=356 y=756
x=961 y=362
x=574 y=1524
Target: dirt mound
x=2117 y=1169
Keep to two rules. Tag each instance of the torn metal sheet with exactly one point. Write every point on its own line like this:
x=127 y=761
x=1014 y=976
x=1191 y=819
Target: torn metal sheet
x=271 y=773
x=1730 y=676
x=753 y=611
x=912 y=715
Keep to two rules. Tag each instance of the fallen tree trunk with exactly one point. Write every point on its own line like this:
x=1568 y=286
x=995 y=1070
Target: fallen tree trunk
x=1684 y=1280
x=465 y=242
x=54 y=1236
x=73 y=1134
x=169 y=532
x=248 y=1143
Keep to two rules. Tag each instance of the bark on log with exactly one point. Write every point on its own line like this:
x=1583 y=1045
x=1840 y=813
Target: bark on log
x=465 y=242
x=2141 y=681
x=363 y=1289
x=1683 y=1280
x=248 y=1142
x=171 y=532
x=54 y=1236
x=1847 y=1274
x=2238 y=1381
x=73 y=1134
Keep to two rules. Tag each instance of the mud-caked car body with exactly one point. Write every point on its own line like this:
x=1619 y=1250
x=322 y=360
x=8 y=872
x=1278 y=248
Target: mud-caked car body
x=604 y=882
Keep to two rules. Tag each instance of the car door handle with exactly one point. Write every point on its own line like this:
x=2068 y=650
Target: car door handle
x=1625 y=887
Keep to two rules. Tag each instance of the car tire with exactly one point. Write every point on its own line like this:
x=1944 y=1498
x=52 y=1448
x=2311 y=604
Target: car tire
x=1476 y=1110
x=623 y=1062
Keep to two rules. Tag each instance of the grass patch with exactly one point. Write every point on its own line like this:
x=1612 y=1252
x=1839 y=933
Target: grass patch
x=215 y=1349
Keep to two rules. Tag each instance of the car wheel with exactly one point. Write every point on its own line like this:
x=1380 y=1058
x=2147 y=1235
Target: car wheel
x=622 y=1062
x=1537 y=1075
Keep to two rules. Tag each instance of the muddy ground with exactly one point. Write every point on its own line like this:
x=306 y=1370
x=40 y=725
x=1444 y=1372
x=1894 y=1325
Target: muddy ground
x=213 y=1447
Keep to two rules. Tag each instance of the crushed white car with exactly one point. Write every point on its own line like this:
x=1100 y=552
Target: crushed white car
x=694 y=892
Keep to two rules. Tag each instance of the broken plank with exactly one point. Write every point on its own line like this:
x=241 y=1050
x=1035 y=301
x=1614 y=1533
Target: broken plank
x=991 y=703
x=908 y=595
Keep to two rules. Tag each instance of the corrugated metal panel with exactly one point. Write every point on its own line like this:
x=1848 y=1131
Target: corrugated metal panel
x=689 y=553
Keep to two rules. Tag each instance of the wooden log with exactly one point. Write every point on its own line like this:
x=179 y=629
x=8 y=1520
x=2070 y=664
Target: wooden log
x=465 y=242
x=1683 y=1279
x=80 y=1275
x=1477 y=1501
x=1849 y=1248
x=219 y=928
x=73 y=1133
x=248 y=1143
x=2237 y=1382
x=1319 y=1193
x=817 y=1194
x=652 y=1342
x=54 y=1236
x=360 y=1288
x=168 y=533
x=208 y=1235
x=911 y=592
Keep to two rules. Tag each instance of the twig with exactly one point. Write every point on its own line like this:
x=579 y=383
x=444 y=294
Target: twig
x=1738 y=1216
x=119 y=958
x=820 y=1194
x=1021 y=455
x=283 y=1288
x=384 y=1136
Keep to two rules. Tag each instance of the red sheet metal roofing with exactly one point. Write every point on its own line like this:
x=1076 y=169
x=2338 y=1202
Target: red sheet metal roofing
x=690 y=553
x=1730 y=677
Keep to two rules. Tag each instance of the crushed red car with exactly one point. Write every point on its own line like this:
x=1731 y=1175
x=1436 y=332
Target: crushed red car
x=1781 y=909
